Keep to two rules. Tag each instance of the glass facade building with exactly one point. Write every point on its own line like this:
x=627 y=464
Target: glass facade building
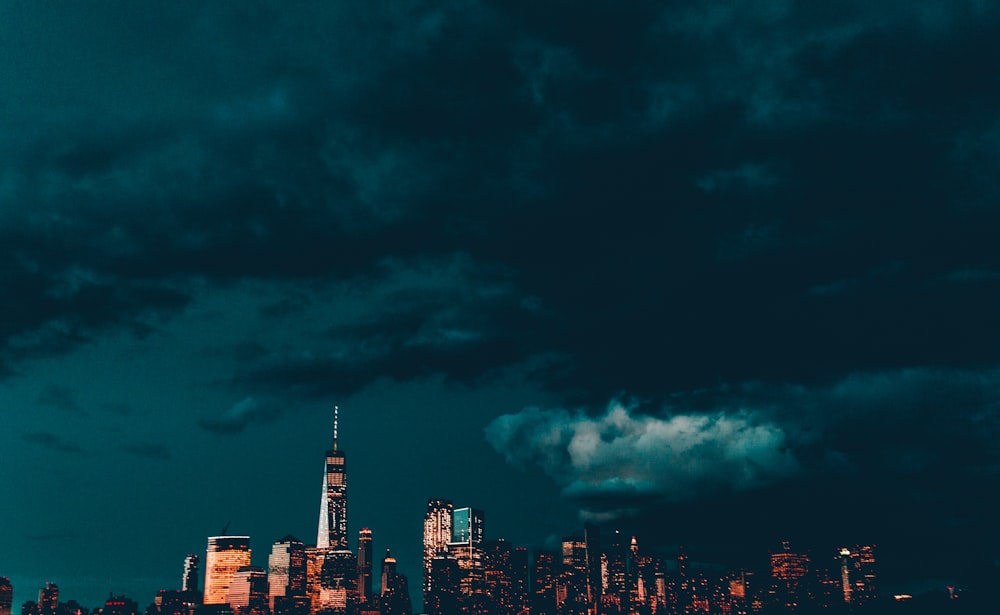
x=332 y=530
x=224 y=556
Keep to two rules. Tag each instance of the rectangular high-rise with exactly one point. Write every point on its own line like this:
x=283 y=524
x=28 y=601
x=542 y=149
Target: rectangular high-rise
x=286 y=568
x=224 y=556
x=437 y=535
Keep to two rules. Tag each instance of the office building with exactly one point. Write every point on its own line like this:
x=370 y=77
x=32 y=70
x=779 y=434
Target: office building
x=332 y=530
x=857 y=571
x=543 y=583
x=365 y=595
x=395 y=596
x=468 y=529
x=788 y=570
x=338 y=592
x=224 y=556
x=571 y=585
x=247 y=594
x=286 y=571
x=189 y=582
x=437 y=535
x=442 y=599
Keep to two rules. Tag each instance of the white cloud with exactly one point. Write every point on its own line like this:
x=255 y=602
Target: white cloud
x=624 y=452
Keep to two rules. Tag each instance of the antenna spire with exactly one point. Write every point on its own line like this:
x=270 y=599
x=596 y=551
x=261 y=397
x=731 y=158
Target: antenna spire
x=335 y=410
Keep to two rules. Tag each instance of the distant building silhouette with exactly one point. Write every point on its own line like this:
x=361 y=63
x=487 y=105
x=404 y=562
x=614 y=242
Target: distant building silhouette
x=120 y=605
x=543 y=583
x=48 y=599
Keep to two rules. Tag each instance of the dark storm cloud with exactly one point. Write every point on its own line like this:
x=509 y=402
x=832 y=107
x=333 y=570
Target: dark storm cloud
x=242 y=414
x=53 y=442
x=915 y=439
x=156 y=452
x=713 y=193
x=450 y=316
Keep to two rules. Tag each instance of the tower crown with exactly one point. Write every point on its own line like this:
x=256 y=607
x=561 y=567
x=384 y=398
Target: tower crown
x=336 y=410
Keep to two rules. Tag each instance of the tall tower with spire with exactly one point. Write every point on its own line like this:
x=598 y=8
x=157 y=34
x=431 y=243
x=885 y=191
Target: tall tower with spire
x=332 y=532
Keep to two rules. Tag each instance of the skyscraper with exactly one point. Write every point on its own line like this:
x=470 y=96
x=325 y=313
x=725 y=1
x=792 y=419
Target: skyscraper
x=788 y=569
x=224 y=556
x=468 y=529
x=571 y=590
x=189 y=583
x=395 y=595
x=332 y=532
x=437 y=535
x=543 y=583
x=365 y=566
x=286 y=570
x=858 y=574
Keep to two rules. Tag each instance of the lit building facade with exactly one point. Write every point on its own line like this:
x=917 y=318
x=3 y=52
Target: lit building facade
x=286 y=571
x=365 y=594
x=247 y=593
x=48 y=598
x=788 y=569
x=468 y=529
x=189 y=582
x=571 y=589
x=224 y=556
x=332 y=530
x=338 y=591
x=857 y=570
x=437 y=535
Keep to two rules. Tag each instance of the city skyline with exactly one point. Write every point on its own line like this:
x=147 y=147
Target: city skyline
x=459 y=535
x=715 y=275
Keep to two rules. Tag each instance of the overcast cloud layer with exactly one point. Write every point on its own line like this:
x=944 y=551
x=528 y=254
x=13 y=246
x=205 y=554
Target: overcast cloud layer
x=720 y=255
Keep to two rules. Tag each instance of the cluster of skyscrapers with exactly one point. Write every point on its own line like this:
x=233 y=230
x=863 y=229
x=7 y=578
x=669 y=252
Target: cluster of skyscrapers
x=465 y=573
x=305 y=579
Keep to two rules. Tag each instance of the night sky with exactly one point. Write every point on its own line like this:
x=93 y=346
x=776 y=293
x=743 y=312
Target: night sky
x=715 y=273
